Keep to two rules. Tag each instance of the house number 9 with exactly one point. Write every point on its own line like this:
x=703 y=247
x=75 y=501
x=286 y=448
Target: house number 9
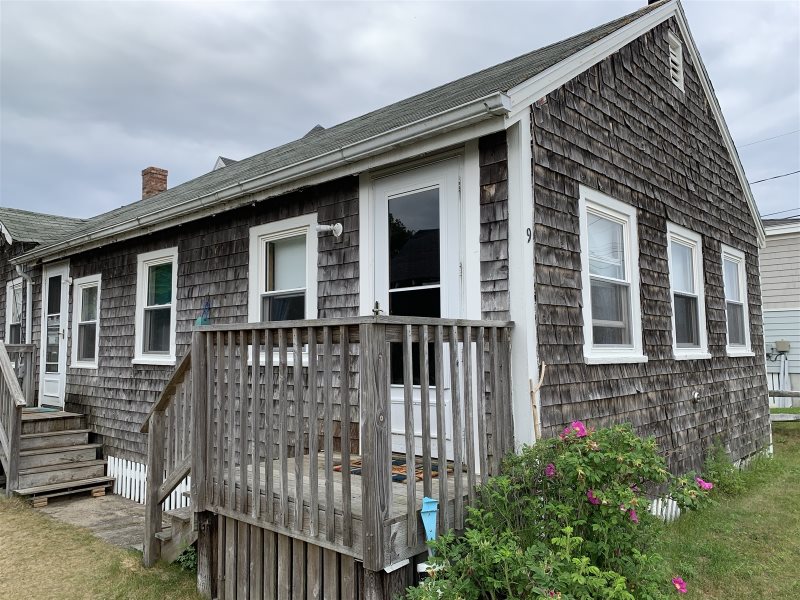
x=530 y=234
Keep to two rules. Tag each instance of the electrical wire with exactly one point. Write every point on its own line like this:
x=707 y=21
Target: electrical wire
x=776 y=177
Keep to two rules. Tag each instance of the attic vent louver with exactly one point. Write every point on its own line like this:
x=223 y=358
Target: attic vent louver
x=675 y=60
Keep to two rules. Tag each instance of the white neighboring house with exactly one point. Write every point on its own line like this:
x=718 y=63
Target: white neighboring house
x=780 y=290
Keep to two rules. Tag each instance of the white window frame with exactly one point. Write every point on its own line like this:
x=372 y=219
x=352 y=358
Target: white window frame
x=79 y=285
x=596 y=202
x=687 y=237
x=270 y=232
x=676 y=50
x=17 y=285
x=144 y=262
x=737 y=256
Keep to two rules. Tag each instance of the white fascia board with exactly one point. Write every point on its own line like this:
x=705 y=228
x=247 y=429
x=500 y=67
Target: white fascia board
x=528 y=92
x=782 y=229
x=455 y=126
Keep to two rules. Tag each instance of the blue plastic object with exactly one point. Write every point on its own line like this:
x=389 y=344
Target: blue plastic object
x=428 y=513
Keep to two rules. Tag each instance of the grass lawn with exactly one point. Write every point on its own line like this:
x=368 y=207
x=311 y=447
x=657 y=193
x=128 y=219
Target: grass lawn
x=748 y=546
x=783 y=411
x=44 y=558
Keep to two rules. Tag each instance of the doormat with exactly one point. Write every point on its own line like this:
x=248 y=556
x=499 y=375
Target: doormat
x=399 y=469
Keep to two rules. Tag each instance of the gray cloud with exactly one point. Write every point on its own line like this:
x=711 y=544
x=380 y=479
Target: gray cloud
x=93 y=92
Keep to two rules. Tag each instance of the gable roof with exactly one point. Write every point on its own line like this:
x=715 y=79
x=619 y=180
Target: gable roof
x=465 y=101
x=17 y=225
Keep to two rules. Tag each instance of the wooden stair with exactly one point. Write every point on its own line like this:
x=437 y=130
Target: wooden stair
x=179 y=535
x=57 y=459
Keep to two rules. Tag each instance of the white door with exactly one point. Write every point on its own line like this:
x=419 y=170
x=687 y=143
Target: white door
x=53 y=359
x=417 y=272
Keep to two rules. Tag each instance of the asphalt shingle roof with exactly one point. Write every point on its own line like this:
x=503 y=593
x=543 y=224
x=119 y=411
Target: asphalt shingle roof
x=778 y=222
x=499 y=78
x=27 y=226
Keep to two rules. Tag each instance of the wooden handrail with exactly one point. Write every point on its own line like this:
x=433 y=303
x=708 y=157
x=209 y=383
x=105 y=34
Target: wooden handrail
x=12 y=402
x=377 y=320
x=169 y=389
x=10 y=377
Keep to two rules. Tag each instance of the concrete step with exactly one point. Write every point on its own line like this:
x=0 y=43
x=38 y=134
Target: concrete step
x=54 y=439
x=47 y=422
x=61 y=474
x=42 y=457
x=179 y=535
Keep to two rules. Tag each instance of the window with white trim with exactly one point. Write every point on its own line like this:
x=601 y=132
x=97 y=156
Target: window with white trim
x=610 y=273
x=675 y=60
x=685 y=254
x=13 y=334
x=85 y=321
x=734 y=278
x=156 y=290
x=283 y=270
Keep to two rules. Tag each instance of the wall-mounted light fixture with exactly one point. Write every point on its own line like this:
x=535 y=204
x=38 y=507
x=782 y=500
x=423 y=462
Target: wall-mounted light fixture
x=335 y=229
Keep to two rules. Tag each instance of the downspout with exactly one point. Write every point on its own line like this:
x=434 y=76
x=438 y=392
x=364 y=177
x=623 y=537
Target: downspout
x=28 y=316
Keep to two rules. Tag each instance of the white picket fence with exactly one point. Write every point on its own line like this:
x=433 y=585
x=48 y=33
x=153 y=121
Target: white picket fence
x=665 y=508
x=131 y=483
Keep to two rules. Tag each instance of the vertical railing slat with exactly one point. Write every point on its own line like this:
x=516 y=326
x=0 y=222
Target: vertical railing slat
x=425 y=408
x=243 y=429
x=480 y=385
x=458 y=468
x=256 y=425
x=313 y=431
x=269 y=422
x=283 y=425
x=469 y=408
x=300 y=435
x=495 y=401
x=408 y=403
x=441 y=434
x=219 y=488
x=231 y=371
x=327 y=394
x=347 y=516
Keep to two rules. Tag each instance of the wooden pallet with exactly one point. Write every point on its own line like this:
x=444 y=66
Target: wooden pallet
x=39 y=500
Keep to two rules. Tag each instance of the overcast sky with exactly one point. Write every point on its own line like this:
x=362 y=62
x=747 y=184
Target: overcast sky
x=93 y=92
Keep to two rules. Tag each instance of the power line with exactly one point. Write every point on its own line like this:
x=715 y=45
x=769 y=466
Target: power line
x=776 y=177
x=780 y=212
x=774 y=137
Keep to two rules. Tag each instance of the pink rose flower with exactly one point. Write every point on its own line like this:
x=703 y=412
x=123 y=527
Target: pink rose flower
x=576 y=427
x=679 y=584
x=592 y=498
x=634 y=517
x=550 y=471
x=704 y=485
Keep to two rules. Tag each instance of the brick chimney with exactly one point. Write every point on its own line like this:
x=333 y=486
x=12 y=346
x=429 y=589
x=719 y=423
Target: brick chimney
x=154 y=181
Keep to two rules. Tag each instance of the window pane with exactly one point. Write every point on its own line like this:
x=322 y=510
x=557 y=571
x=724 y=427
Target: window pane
x=283 y=308
x=415 y=303
x=16 y=304
x=611 y=320
x=414 y=239
x=396 y=364
x=159 y=284
x=156 y=330
x=52 y=348
x=286 y=267
x=606 y=247
x=89 y=304
x=86 y=341
x=687 y=331
x=54 y=295
x=731 y=276
x=15 y=334
x=682 y=267
x=735 y=315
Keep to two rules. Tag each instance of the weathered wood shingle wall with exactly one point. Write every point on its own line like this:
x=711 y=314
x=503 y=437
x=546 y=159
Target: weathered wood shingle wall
x=212 y=266
x=624 y=129
x=493 y=161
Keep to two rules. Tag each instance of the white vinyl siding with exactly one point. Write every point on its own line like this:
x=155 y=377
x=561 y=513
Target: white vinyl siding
x=779 y=264
x=612 y=326
x=86 y=322
x=156 y=291
x=783 y=325
x=687 y=291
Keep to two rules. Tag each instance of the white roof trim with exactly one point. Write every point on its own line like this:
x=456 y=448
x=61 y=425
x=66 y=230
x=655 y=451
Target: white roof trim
x=535 y=88
x=782 y=229
x=6 y=233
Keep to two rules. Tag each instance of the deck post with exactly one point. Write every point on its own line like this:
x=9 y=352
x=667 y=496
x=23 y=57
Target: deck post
x=200 y=437
x=155 y=477
x=376 y=445
x=14 y=430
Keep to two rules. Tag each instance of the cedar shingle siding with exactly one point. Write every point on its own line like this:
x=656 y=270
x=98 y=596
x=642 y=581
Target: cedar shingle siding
x=212 y=265
x=624 y=129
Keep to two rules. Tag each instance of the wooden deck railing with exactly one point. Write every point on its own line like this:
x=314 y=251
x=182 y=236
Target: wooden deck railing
x=12 y=401
x=306 y=429
x=169 y=450
x=22 y=358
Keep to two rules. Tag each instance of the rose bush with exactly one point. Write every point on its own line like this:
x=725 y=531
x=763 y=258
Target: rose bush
x=567 y=518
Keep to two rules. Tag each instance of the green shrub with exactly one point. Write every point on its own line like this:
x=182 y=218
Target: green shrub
x=566 y=518
x=728 y=479
x=188 y=559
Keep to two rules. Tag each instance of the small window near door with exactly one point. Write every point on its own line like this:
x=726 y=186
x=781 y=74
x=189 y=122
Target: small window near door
x=14 y=312
x=86 y=322
x=283 y=270
x=685 y=256
x=736 y=314
x=156 y=290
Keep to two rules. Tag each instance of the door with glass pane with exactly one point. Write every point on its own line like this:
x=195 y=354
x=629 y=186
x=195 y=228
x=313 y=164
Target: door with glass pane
x=417 y=270
x=53 y=360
